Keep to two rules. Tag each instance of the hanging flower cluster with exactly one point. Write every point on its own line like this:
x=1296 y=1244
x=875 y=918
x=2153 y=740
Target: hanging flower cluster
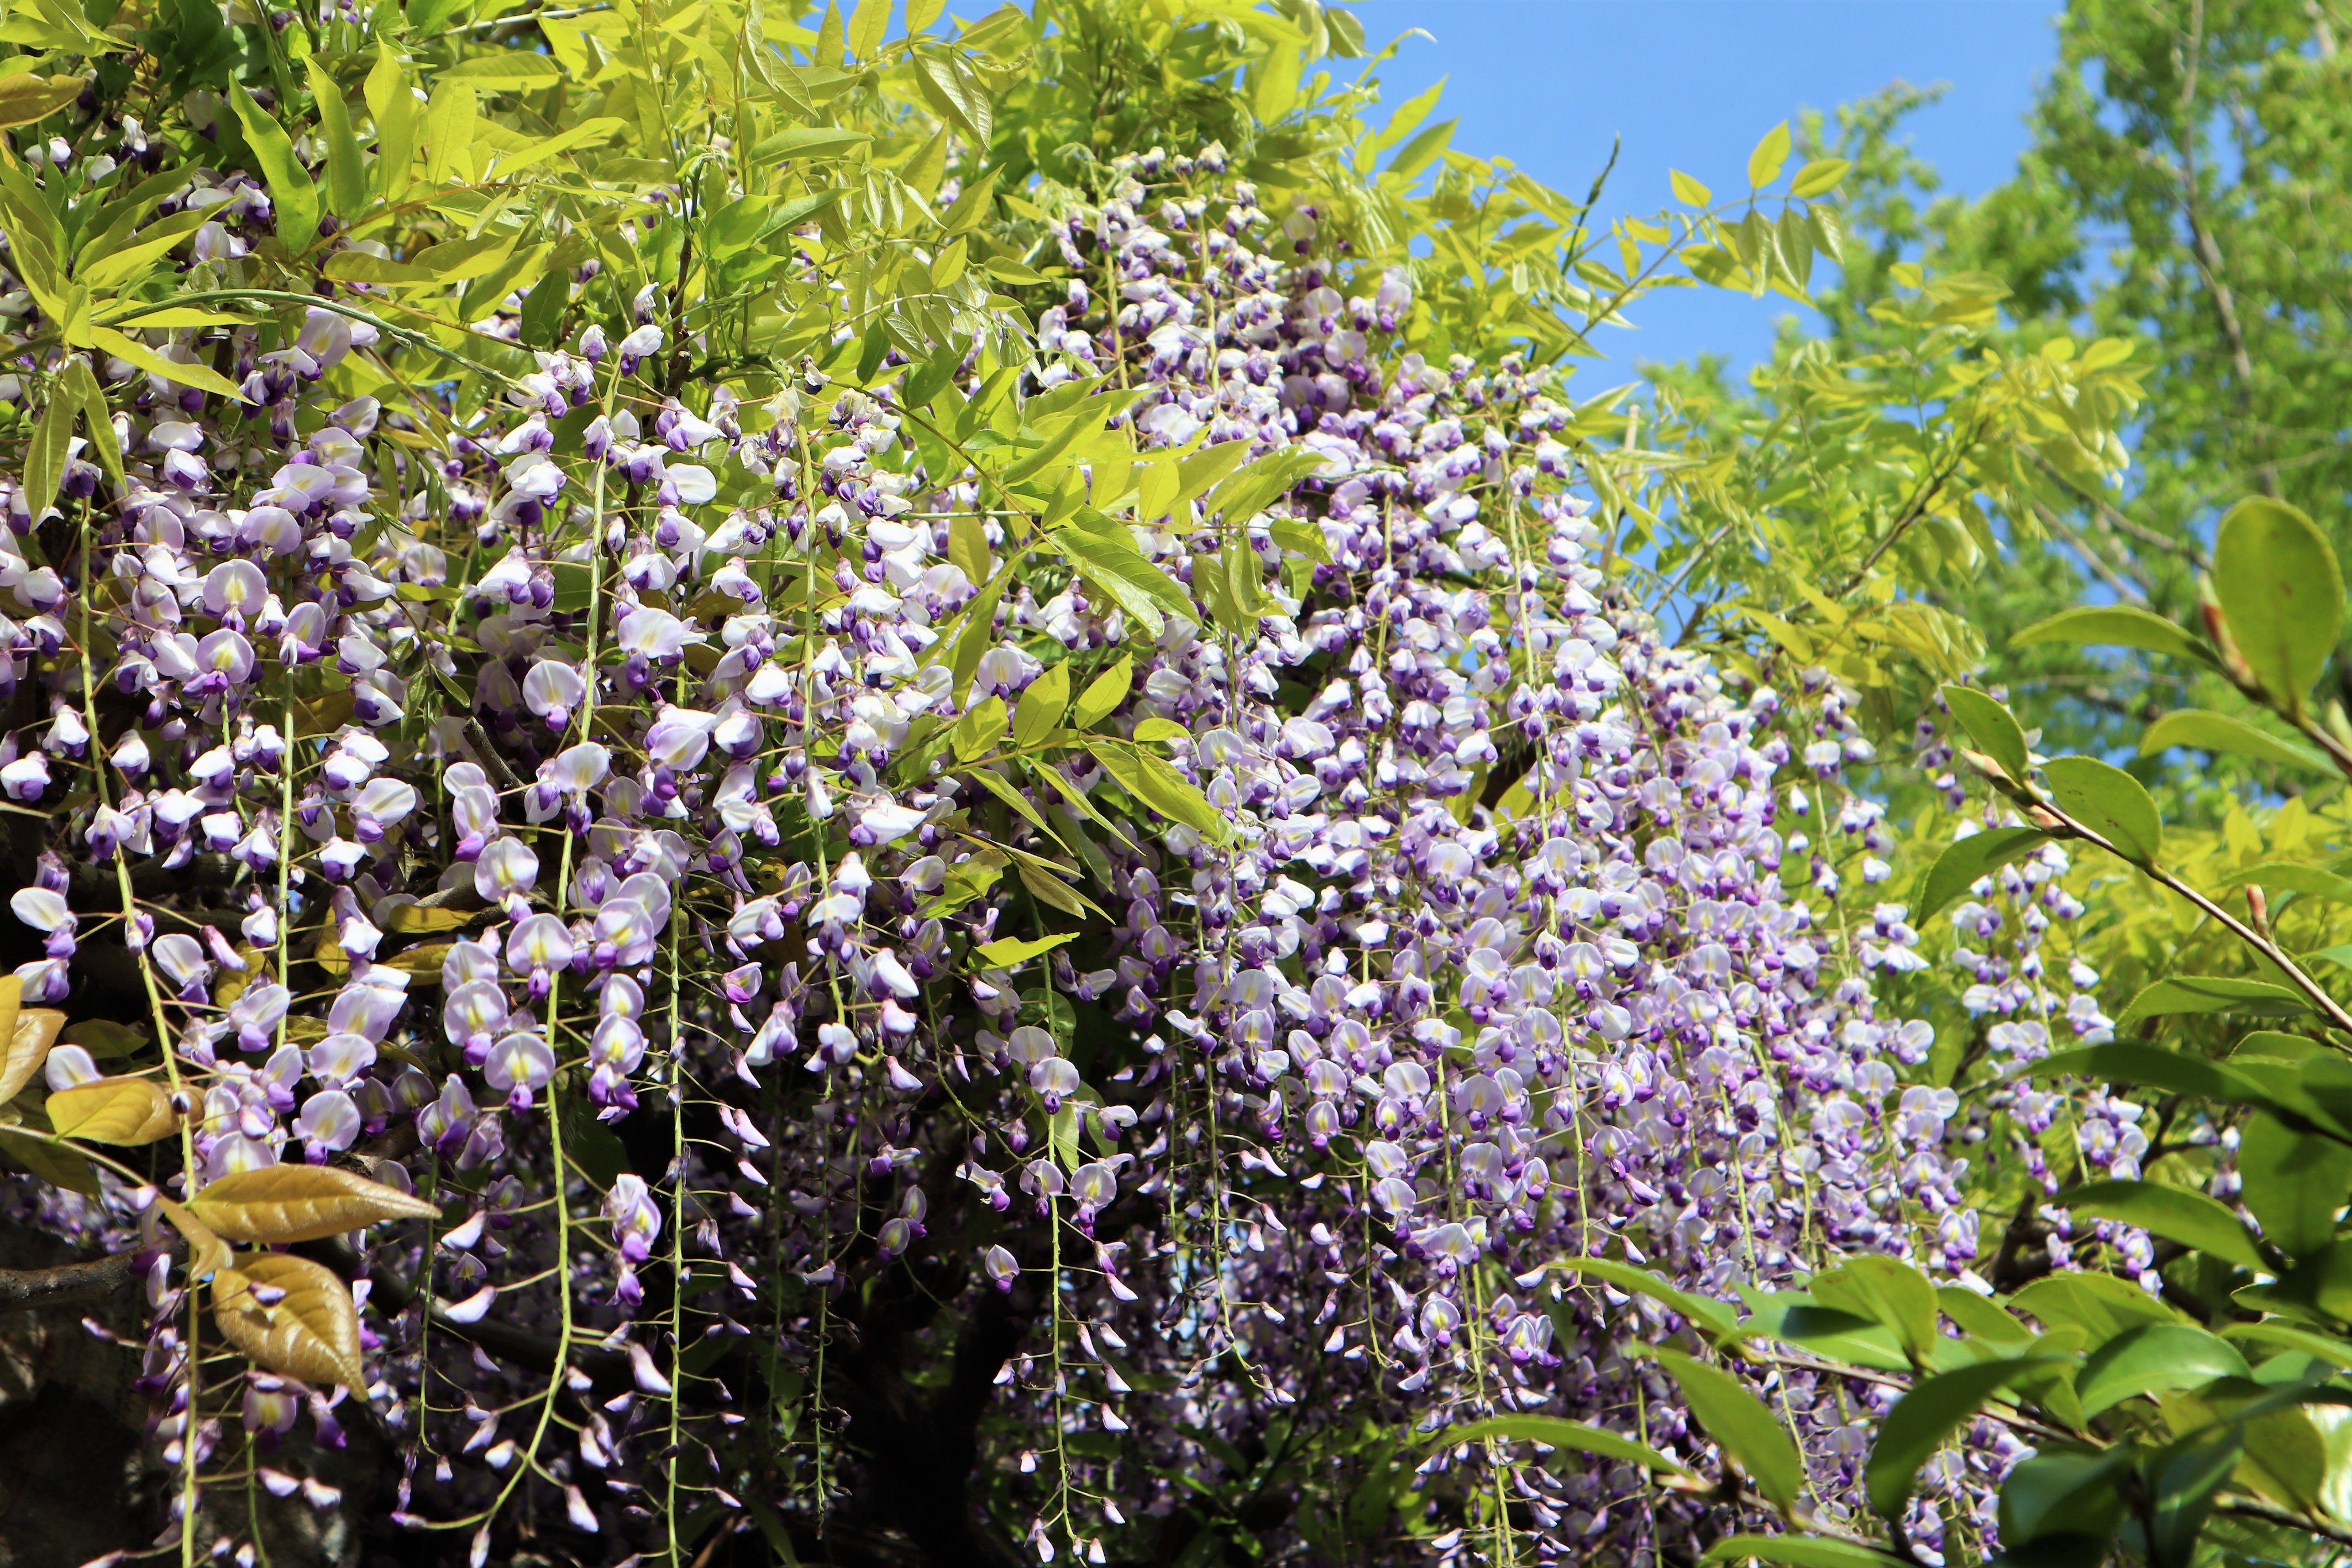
x=1171 y=844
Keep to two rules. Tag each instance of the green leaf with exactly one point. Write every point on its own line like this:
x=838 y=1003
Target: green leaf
x=1156 y=729
x=1750 y=1435
x=2066 y=1492
x=1004 y=790
x=2153 y=1067
x=954 y=89
x=1958 y=867
x=1980 y=1317
x=2110 y=802
x=2199 y=729
x=1006 y=951
x=2295 y=1182
x=1712 y=1318
x=1069 y=428
x=1923 y=1419
x=393 y=108
x=1252 y=489
x=2281 y=594
x=2286 y=877
x=1159 y=787
x=2288 y=1456
x=1794 y=1317
x=1992 y=727
x=1420 y=150
x=1885 y=1290
x=2115 y=626
x=1102 y=695
x=2214 y=993
x=2154 y=1358
x=813 y=141
x=1042 y=706
x=45 y=457
x=2181 y=1479
x=1764 y=163
x=1053 y=893
x=202 y=377
x=449 y=117
x=979 y=632
x=2174 y=1213
x=867 y=25
x=978 y=731
x=1819 y=178
x=505 y=70
x=25 y=99
x=1554 y=1432
x=291 y=190
x=1011 y=272
x=1798 y=1551
x=1687 y=191
x=82 y=386
x=1140 y=588
x=346 y=170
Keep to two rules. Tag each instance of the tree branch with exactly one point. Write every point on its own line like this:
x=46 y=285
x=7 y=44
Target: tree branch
x=72 y=1285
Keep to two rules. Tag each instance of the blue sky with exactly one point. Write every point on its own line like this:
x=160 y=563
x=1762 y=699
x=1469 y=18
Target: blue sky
x=1690 y=84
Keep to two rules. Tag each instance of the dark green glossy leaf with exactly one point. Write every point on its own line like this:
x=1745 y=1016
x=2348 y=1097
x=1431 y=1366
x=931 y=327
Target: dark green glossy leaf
x=1554 y=1432
x=1798 y=1551
x=2155 y=1068
x=1958 y=867
x=1923 y=1419
x=2175 y=1212
x=2295 y=1182
x=1750 y=1435
x=1885 y=1290
x=2154 y=1358
x=1711 y=1318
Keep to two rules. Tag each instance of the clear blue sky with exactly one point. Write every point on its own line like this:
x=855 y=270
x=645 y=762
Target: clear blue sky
x=1690 y=84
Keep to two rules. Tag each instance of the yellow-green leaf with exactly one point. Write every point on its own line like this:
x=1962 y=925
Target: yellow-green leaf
x=291 y=188
x=1009 y=950
x=200 y=377
x=1042 y=706
x=976 y=732
x=1104 y=694
x=27 y=99
x=1819 y=178
x=45 y=458
x=508 y=71
x=1764 y=163
x=867 y=25
x=346 y=170
x=448 y=129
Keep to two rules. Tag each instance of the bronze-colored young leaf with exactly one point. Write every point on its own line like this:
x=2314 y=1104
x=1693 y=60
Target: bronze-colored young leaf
x=290 y=1315
x=299 y=1203
x=29 y=1035
x=124 y=1111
